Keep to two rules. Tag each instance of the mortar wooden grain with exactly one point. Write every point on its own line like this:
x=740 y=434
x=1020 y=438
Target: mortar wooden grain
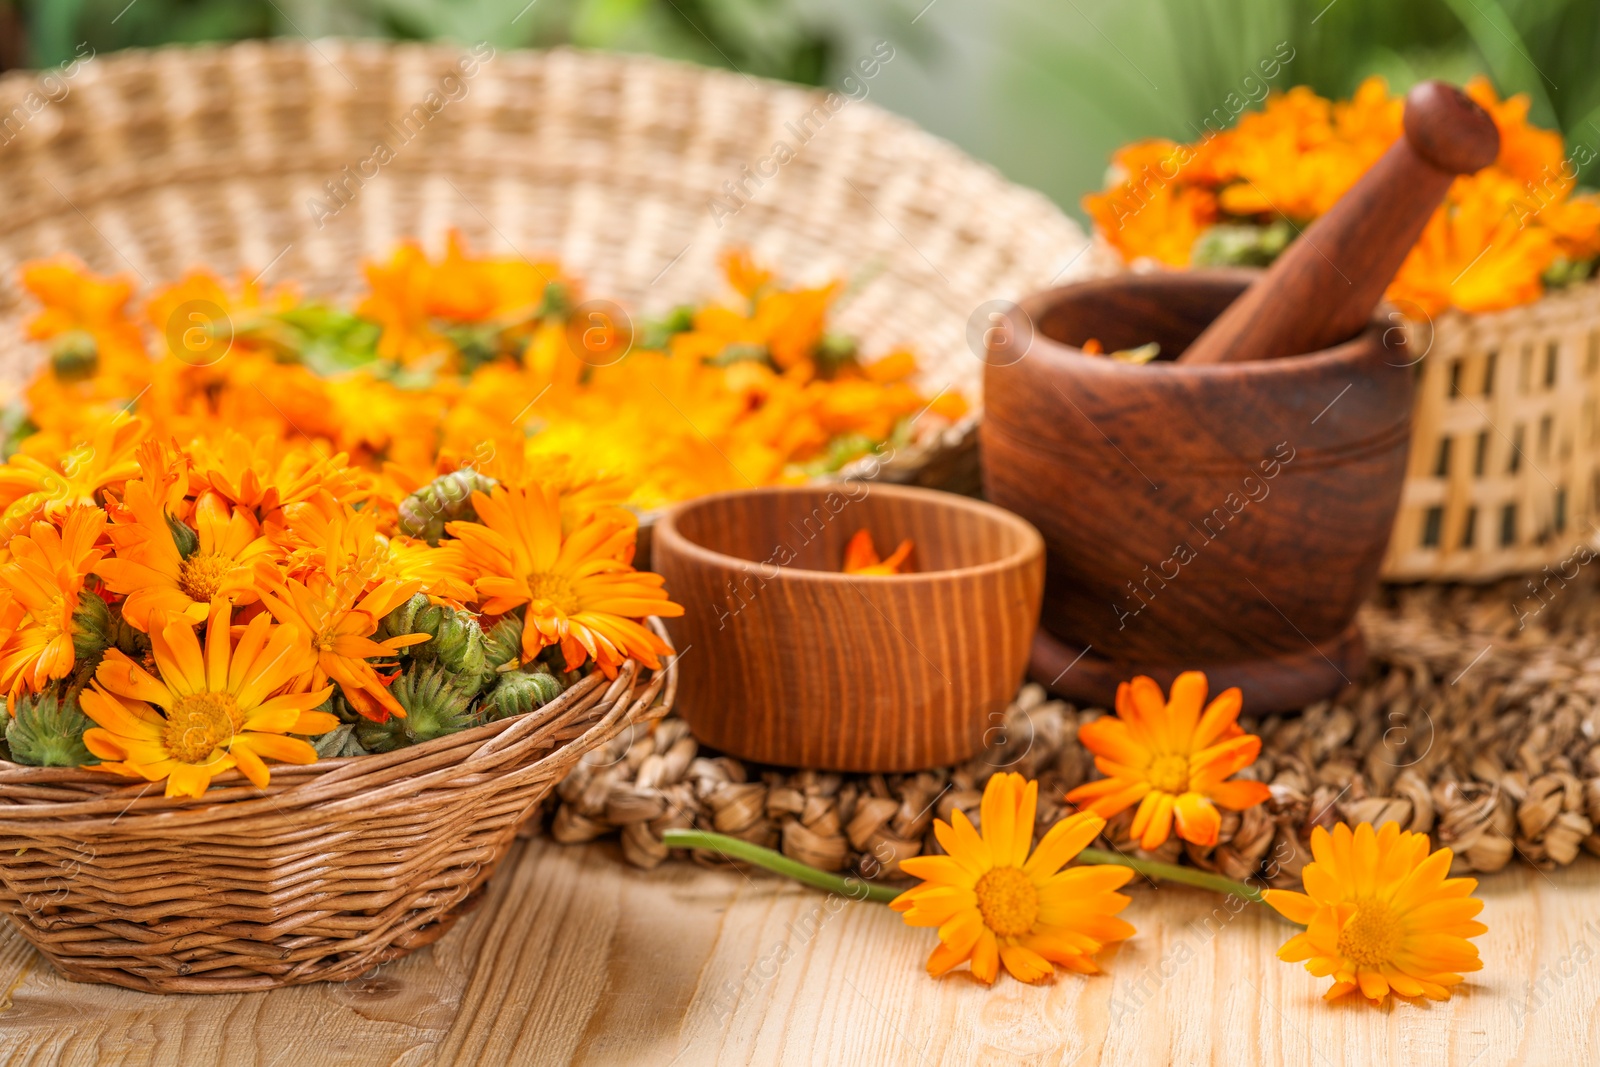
x=1229 y=517
x=786 y=660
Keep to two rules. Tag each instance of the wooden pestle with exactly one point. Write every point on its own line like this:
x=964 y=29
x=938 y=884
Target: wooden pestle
x=1322 y=290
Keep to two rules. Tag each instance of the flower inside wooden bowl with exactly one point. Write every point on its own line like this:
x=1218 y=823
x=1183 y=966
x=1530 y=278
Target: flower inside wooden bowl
x=787 y=660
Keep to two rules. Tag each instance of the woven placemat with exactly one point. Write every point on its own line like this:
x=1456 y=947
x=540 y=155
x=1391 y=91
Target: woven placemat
x=1477 y=721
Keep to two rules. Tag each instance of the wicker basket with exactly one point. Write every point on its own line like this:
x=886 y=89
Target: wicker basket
x=1504 y=474
x=335 y=868
x=158 y=161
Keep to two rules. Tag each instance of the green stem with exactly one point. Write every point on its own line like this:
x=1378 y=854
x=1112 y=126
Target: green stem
x=857 y=889
x=1172 y=872
x=733 y=848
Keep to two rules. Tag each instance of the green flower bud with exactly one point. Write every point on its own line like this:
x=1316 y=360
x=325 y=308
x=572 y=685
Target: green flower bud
x=93 y=628
x=448 y=498
x=502 y=645
x=183 y=535
x=456 y=640
x=1241 y=245
x=75 y=356
x=458 y=646
x=132 y=643
x=402 y=620
x=337 y=743
x=47 y=731
x=556 y=303
x=519 y=692
x=435 y=706
x=337 y=706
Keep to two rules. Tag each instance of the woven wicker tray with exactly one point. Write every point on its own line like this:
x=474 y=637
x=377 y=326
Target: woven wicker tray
x=159 y=161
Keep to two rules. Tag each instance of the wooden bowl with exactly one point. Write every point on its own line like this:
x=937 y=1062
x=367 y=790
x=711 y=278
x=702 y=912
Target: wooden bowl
x=786 y=660
x=1227 y=517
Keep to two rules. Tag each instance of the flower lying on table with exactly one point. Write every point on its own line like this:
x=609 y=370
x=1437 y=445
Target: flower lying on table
x=993 y=903
x=1172 y=759
x=1381 y=915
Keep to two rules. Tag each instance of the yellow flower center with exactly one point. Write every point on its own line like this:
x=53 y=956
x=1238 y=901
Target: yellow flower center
x=1170 y=774
x=554 y=589
x=49 y=620
x=200 y=577
x=1008 y=901
x=199 y=724
x=1372 y=936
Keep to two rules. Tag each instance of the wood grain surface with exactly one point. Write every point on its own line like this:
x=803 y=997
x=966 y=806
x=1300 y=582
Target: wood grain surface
x=1225 y=517
x=789 y=661
x=576 y=958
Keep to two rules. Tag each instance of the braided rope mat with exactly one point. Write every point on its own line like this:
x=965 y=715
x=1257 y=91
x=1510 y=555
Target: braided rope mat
x=1477 y=721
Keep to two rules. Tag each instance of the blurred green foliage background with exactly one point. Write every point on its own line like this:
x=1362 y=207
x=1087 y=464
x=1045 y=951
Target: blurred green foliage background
x=1044 y=89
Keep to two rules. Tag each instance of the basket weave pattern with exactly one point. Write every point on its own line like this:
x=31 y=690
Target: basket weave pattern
x=160 y=161
x=333 y=869
x=1504 y=475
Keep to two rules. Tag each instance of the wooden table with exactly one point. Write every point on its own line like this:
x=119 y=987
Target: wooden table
x=575 y=957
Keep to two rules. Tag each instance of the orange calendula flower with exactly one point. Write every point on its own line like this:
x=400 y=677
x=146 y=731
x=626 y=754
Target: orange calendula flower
x=1151 y=210
x=46 y=485
x=743 y=274
x=1172 y=759
x=156 y=574
x=994 y=903
x=411 y=294
x=1500 y=235
x=1475 y=253
x=269 y=472
x=1381 y=915
x=76 y=301
x=861 y=556
x=220 y=706
x=577 y=590
x=45 y=578
x=200 y=319
x=584 y=489
x=338 y=622
x=399 y=303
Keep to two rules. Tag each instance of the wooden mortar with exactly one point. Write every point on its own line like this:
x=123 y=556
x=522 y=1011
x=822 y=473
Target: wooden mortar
x=1228 y=517
x=1227 y=508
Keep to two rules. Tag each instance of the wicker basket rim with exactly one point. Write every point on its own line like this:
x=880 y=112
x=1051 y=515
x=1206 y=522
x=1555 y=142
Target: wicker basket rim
x=132 y=57
x=486 y=740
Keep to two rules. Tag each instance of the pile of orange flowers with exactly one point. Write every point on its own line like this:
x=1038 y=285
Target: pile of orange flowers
x=237 y=525
x=1500 y=239
x=466 y=361
x=173 y=611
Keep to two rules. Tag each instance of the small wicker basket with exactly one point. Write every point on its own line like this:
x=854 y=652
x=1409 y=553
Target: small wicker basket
x=333 y=869
x=1504 y=475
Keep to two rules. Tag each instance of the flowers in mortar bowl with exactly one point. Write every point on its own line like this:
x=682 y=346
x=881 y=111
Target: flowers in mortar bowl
x=173 y=612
